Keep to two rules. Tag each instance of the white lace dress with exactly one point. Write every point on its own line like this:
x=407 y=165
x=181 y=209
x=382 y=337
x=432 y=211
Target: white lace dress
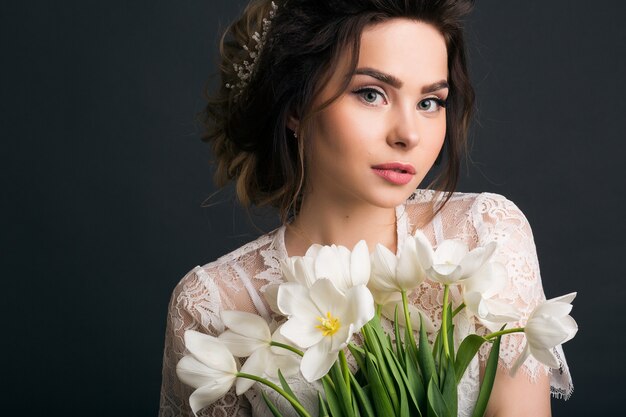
x=237 y=281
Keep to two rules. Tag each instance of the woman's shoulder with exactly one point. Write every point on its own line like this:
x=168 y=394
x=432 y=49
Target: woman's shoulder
x=243 y=256
x=467 y=202
x=226 y=282
x=469 y=216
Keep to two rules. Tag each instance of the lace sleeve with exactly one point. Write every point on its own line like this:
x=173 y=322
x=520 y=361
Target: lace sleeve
x=194 y=304
x=497 y=219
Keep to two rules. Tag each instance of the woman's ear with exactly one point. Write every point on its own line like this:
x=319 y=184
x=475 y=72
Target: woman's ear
x=293 y=123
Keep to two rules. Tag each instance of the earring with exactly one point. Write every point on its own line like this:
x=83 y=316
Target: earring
x=295 y=134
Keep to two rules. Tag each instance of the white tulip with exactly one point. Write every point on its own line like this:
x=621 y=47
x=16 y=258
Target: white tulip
x=479 y=291
x=322 y=320
x=548 y=326
x=210 y=368
x=248 y=335
x=392 y=274
x=452 y=262
x=343 y=267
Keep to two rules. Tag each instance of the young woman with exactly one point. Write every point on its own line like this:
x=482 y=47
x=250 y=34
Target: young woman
x=334 y=113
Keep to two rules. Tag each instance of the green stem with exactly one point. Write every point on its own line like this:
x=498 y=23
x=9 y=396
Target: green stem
x=289 y=348
x=444 y=320
x=405 y=306
x=501 y=332
x=345 y=370
x=299 y=353
x=379 y=309
x=458 y=309
x=301 y=410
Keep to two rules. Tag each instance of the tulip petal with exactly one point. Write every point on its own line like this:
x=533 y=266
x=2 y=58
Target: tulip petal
x=360 y=305
x=302 y=331
x=254 y=365
x=271 y=296
x=550 y=308
x=520 y=360
x=545 y=356
x=210 y=351
x=313 y=250
x=384 y=264
x=247 y=324
x=360 y=265
x=445 y=273
x=317 y=361
x=545 y=332
x=208 y=394
x=451 y=251
x=424 y=250
x=476 y=258
x=327 y=265
x=240 y=346
x=287 y=269
x=294 y=299
x=409 y=273
x=304 y=270
x=194 y=373
x=328 y=298
x=567 y=298
x=289 y=365
x=570 y=325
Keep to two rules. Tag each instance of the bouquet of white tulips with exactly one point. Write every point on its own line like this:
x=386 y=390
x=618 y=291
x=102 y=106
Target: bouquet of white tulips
x=332 y=293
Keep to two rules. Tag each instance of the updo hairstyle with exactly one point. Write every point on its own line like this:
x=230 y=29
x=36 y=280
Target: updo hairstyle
x=247 y=128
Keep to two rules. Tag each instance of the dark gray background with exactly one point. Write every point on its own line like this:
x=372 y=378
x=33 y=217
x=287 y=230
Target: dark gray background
x=105 y=178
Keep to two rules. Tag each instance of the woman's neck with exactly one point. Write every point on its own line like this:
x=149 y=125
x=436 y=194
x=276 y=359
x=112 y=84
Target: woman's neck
x=341 y=224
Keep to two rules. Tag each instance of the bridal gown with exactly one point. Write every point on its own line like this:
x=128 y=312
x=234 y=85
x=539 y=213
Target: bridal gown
x=238 y=280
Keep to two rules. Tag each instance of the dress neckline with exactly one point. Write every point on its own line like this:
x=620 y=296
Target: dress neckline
x=402 y=231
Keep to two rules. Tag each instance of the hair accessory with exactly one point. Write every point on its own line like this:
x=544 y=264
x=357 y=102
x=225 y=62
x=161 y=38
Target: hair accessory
x=246 y=69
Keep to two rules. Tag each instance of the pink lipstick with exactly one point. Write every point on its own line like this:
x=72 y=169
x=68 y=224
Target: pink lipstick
x=395 y=172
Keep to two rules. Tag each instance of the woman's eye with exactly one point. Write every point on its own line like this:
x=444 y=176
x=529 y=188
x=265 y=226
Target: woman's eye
x=432 y=104
x=371 y=96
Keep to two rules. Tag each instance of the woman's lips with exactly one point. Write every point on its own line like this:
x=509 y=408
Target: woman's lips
x=395 y=173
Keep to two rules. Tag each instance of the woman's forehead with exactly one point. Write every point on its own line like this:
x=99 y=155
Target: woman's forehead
x=412 y=51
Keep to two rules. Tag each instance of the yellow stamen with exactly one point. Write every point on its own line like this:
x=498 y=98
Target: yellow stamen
x=328 y=325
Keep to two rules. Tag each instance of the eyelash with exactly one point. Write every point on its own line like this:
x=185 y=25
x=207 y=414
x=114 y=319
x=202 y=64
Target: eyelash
x=359 y=92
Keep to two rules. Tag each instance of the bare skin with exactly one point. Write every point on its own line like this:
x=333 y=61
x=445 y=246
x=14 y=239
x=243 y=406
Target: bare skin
x=373 y=123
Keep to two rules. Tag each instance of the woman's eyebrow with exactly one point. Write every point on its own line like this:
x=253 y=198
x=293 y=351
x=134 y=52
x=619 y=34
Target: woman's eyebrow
x=397 y=83
x=381 y=76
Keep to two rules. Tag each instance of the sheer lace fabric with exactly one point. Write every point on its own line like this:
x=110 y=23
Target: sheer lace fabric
x=238 y=280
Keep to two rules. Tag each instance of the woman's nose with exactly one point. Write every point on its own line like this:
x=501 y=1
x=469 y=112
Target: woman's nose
x=404 y=129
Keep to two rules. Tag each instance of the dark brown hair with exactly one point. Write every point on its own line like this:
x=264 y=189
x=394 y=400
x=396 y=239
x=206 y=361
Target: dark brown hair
x=248 y=128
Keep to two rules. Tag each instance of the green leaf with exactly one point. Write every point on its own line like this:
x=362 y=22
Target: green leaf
x=321 y=405
x=331 y=399
x=425 y=356
x=382 y=404
x=343 y=392
x=488 y=379
x=449 y=390
x=416 y=384
x=399 y=344
x=407 y=385
x=436 y=404
x=467 y=350
x=358 y=354
x=287 y=388
x=363 y=401
x=376 y=341
x=402 y=388
x=271 y=405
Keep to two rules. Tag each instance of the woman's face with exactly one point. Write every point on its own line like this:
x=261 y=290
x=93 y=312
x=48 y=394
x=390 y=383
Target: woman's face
x=376 y=142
